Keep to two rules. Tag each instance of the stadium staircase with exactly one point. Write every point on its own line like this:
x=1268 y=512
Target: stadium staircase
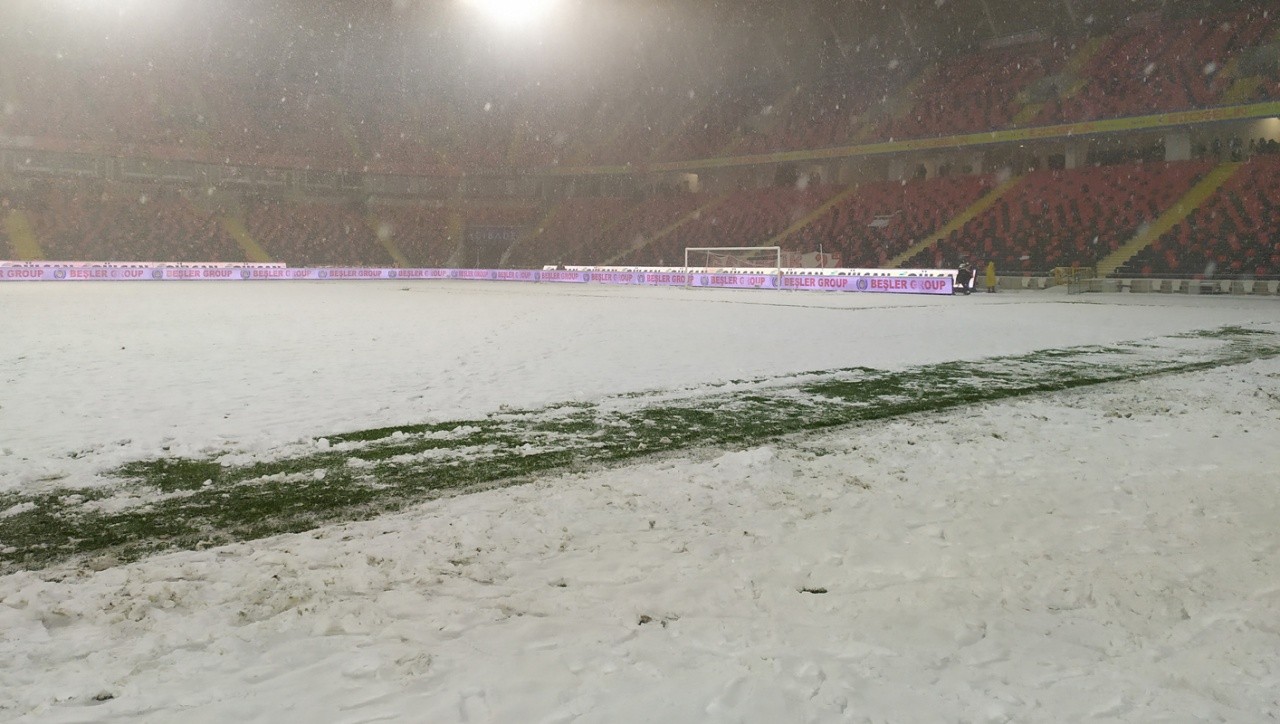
x=690 y=119
x=8 y=86
x=583 y=154
x=349 y=134
x=211 y=135
x=813 y=216
x=1170 y=218
x=1072 y=70
x=197 y=136
x=617 y=221
x=26 y=247
x=456 y=228
x=387 y=241
x=897 y=107
x=956 y=224
x=530 y=235
x=619 y=122
x=765 y=126
x=516 y=145
x=669 y=229
x=1243 y=89
x=252 y=250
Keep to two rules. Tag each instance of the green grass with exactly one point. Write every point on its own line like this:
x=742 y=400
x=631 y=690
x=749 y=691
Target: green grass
x=364 y=473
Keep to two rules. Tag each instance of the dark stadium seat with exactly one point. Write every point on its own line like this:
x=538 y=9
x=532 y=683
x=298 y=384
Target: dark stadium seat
x=315 y=233
x=76 y=222
x=881 y=220
x=976 y=92
x=1067 y=218
x=749 y=217
x=1236 y=233
x=1161 y=66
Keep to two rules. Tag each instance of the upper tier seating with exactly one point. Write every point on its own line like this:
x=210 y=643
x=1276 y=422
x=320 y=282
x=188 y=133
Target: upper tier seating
x=828 y=112
x=1164 y=66
x=977 y=92
x=139 y=103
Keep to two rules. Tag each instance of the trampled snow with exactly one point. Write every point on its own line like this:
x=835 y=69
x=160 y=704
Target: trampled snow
x=1108 y=553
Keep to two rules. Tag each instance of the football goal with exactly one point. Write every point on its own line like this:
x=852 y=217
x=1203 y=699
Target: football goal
x=765 y=259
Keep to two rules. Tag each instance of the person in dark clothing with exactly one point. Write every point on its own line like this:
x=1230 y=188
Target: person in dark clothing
x=963 y=277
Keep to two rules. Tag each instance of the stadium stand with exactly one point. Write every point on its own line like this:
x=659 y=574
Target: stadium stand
x=75 y=221
x=314 y=233
x=133 y=107
x=747 y=218
x=976 y=92
x=829 y=111
x=421 y=232
x=1066 y=218
x=1235 y=234
x=8 y=202
x=1149 y=66
x=881 y=219
x=640 y=127
x=574 y=225
x=646 y=223
x=1158 y=66
x=709 y=132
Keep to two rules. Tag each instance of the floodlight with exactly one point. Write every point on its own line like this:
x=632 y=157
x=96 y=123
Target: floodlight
x=514 y=12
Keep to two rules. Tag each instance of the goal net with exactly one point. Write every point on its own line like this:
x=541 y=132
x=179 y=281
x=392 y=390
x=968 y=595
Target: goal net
x=766 y=259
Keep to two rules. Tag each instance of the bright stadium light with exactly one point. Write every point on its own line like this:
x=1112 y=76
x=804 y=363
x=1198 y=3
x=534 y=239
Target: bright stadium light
x=514 y=12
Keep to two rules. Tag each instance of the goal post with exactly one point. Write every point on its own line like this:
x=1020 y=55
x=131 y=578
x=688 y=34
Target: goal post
x=765 y=259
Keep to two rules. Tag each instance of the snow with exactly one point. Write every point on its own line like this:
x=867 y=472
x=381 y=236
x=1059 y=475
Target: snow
x=1107 y=553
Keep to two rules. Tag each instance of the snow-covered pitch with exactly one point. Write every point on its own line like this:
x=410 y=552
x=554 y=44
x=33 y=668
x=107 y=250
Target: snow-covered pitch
x=1108 y=553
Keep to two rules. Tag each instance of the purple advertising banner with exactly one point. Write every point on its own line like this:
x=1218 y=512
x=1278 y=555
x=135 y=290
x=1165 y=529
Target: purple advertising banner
x=515 y=275
x=140 y=265
x=562 y=276
x=418 y=273
x=474 y=273
x=866 y=283
x=284 y=273
x=201 y=274
x=736 y=281
x=614 y=277
x=665 y=279
x=870 y=284
x=29 y=274
x=353 y=273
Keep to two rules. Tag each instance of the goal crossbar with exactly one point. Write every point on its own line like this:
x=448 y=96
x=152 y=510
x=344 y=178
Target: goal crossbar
x=735 y=254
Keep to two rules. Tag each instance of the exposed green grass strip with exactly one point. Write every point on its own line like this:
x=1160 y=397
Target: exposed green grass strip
x=188 y=503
